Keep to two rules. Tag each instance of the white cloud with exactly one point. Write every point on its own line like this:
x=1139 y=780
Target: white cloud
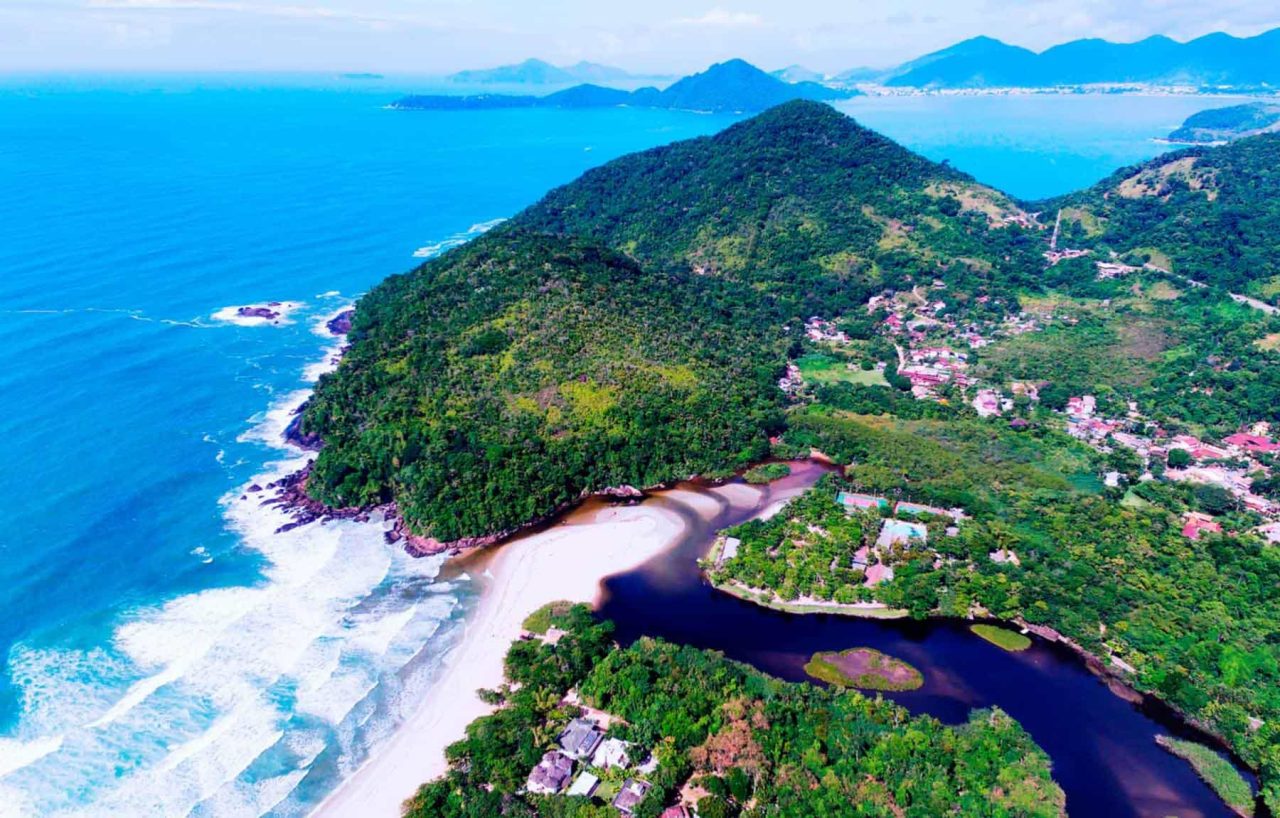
x=722 y=18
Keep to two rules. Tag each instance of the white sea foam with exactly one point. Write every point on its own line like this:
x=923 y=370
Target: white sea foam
x=171 y=719
x=14 y=755
x=456 y=240
x=332 y=357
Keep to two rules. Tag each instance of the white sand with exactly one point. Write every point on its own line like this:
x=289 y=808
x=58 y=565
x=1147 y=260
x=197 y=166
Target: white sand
x=564 y=562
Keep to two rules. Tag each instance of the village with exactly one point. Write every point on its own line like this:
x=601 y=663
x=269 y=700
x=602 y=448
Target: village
x=935 y=353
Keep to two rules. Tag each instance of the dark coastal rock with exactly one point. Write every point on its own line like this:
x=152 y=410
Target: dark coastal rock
x=418 y=546
x=621 y=493
x=259 y=312
x=340 y=324
x=291 y=496
x=304 y=440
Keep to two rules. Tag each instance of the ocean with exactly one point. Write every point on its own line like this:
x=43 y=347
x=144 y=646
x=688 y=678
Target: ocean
x=164 y=652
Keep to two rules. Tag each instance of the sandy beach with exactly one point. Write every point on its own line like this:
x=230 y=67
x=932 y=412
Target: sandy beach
x=568 y=562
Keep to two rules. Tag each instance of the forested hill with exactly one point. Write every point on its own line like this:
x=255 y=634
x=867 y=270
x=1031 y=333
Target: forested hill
x=1210 y=214
x=495 y=384
x=802 y=202
x=499 y=382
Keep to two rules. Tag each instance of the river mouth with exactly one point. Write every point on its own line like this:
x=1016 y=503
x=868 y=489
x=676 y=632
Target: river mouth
x=1103 y=746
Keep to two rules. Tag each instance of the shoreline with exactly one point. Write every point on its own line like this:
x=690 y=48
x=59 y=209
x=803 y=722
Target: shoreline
x=567 y=561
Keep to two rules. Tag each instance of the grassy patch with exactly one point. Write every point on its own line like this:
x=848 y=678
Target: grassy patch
x=1216 y=771
x=766 y=473
x=817 y=368
x=541 y=620
x=1002 y=637
x=864 y=668
x=1132 y=500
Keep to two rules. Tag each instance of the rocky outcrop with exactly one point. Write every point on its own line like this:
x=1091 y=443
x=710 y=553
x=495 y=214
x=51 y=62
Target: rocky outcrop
x=294 y=434
x=340 y=324
x=260 y=311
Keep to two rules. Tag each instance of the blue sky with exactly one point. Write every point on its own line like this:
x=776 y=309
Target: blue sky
x=669 y=36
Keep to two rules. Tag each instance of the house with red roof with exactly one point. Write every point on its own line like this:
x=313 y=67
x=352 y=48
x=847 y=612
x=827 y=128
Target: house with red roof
x=1253 y=444
x=1194 y=523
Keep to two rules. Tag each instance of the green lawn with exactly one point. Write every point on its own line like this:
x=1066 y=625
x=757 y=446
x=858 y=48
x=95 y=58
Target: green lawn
x=1001 y=637
x=817 y=368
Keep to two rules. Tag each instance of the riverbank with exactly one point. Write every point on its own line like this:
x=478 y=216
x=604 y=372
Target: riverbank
x=567 y=561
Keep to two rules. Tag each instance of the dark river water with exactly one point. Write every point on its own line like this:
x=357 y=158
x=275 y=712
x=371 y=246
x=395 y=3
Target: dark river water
x=1103 y=747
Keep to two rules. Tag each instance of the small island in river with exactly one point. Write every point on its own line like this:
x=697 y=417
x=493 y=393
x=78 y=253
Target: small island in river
x=864 y=668
x=1002 y=637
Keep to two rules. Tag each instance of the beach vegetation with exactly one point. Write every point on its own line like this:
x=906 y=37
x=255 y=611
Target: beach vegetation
x=766 y=473
x=1217 y=772
x=541 y=620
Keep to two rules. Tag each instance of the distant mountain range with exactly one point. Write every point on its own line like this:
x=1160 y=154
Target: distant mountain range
x=1218 y=125
x=539 y=72
x=982 y=62
x=733 y=86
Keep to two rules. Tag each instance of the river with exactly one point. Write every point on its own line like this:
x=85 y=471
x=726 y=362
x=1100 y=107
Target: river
x=1102 y=746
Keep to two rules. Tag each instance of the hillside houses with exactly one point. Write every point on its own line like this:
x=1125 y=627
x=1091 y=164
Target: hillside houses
x=821 y=331
x=587 y=756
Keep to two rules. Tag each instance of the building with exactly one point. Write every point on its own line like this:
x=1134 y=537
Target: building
x=678 y=811
x=728 y=550
x=1269 y=532
x=612 y=753
x=551 y=774
x=860 y=558
x=1195 y=523
x=877 y=574
x=1082 y=407
x=862 y=502
x=632 y=793
x=580 y=738
x=1004 y=556
x=989 y=403
x=893 y=532
x=1253 y=444
x=584 y=785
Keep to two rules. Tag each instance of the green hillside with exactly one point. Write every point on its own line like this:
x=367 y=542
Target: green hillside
x=804 y=204
x=1210 y=214
x=497 y=383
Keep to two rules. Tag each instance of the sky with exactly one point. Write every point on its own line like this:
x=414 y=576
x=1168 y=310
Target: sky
x=655 y=36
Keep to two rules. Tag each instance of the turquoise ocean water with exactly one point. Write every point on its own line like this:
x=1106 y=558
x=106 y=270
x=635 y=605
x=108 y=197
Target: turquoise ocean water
x=164 y=653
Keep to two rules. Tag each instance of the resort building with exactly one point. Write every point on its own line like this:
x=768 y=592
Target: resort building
x=584 y=785
x=862 y=502
x=551 y=774
x=612 y=753
x=893 y=532
x=728 y=550
x=632 y=793
x=581 y=738
x=877 y=574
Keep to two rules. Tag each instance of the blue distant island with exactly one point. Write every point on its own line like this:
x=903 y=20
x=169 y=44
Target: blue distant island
x=727 y=87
